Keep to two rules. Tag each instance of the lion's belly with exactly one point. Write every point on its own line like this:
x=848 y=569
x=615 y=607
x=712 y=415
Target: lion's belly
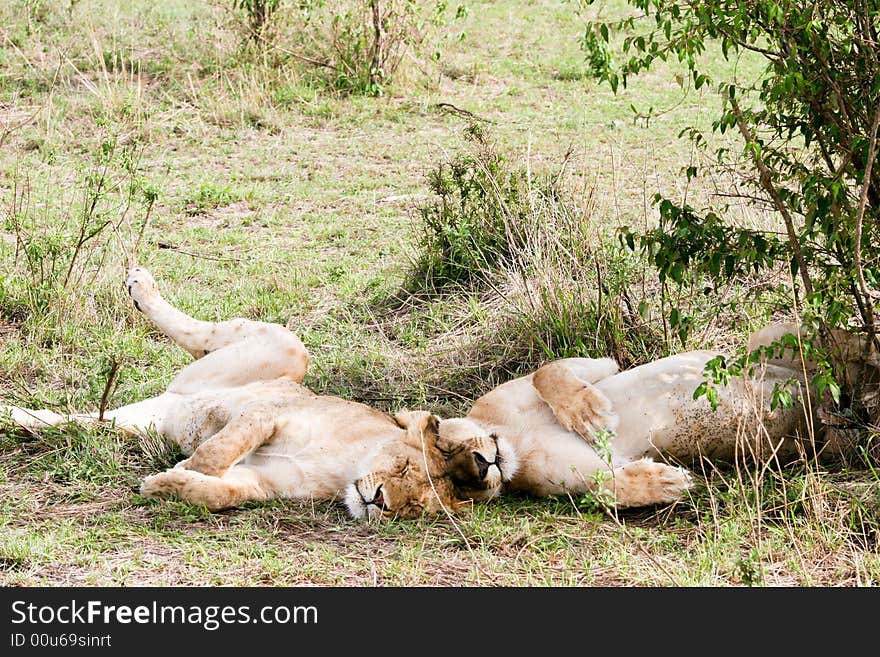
x=308 y=457
x=193 y=419
x=659 y=416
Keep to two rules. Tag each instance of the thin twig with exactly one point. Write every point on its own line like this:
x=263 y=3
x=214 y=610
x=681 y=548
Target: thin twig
x=295 y=55
x=202 y=256
x=133 y=255
x=452 y=109
x=105 y=396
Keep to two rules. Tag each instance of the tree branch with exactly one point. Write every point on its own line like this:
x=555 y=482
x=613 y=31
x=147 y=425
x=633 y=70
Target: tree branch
x=767 y=183
x=105 y=397
x=868 y=313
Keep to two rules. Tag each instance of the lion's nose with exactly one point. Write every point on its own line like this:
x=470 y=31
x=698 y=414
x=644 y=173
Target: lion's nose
x=379 y=499
x=483 y=464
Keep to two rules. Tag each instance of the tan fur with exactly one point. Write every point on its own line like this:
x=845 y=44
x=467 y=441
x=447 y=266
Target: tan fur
x=850 y=350
x=474 y=458
x=857 y=364
x=652 y=418
x=577 y=405
x=253 y=432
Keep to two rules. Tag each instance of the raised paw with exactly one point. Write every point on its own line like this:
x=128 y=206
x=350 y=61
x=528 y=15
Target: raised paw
x=141 y=287
x=586 y=412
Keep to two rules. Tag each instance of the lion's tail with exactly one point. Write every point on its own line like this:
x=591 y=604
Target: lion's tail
x=30 y=419
x=645 y=482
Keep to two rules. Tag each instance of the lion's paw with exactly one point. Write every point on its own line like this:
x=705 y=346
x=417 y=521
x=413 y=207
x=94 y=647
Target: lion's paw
x=586 y=413
x=645 y=482
x=192 y=487
x=141 y=287
x=170 y=483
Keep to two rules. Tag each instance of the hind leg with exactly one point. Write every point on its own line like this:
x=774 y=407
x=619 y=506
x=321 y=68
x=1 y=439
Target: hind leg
x=230 y=353
x=240 y=363
x=134 y=418
x=559 y=462
x=239 y=437
x=199 y=337
x=645 y=482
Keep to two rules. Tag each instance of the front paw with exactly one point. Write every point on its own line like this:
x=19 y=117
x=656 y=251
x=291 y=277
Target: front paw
x=587 y=412
x=164 y=485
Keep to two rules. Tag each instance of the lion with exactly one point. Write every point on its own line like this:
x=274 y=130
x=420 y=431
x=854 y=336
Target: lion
x=252 y=431
x=545 y=426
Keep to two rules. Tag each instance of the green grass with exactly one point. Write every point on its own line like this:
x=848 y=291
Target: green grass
x=252 y=190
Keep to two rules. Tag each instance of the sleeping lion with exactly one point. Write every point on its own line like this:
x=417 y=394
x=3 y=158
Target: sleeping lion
x=251 y=431
x=537 y=433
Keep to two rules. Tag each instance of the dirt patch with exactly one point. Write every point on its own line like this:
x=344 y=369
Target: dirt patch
x=222 y=216
x=8 y=329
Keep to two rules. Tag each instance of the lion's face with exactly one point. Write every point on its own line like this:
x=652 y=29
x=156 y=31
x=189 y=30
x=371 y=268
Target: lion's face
x=478 y=462
x=407 y=476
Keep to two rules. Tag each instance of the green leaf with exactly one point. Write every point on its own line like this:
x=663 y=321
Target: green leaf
x=712 y=396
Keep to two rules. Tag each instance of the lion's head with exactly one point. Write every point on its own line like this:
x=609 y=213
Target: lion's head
x=407 y=475
x=477 y=461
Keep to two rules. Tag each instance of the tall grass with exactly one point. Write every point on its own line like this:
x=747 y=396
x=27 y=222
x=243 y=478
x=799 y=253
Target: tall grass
x=531 y=270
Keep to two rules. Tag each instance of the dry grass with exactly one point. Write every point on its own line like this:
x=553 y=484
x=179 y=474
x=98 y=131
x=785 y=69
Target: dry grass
x=275 y=198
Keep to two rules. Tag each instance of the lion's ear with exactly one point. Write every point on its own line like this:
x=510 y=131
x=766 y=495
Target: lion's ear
x=403 y=418
x=420 y=426
x=419 y=421
x=447 y=446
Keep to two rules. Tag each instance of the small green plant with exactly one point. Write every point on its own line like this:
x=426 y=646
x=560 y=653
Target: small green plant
x=479 y=215
x=748 y=568
x=601 y=496
x=208 y=197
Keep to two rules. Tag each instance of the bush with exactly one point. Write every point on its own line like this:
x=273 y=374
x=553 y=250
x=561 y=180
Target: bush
x=478 y=218
x=809 y=128
x=533 y=276
x=359 y=46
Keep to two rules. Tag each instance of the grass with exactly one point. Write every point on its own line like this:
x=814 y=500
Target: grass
x=251 y=189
